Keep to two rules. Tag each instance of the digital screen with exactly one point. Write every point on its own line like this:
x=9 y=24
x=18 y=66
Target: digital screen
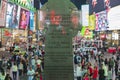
x=12 y=16
x=24 y=18
x=2 y=12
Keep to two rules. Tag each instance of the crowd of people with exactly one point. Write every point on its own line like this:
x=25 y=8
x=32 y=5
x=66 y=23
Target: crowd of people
x=88 y=65
x=96 y=67
x=28 y=66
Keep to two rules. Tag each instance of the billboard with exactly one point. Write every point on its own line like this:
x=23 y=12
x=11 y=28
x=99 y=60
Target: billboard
x=32 y=21
x=3 y=12
x=85 y=15
x=24 y=19
x=114 y=18
x=12 y=16
x=101 y=5
x=92 y=22
x=42 y=20
x=101 y=21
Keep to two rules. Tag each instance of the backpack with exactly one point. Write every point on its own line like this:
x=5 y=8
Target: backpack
x=75 y=60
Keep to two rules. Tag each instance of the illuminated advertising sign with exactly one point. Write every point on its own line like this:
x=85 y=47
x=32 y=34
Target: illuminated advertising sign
x=101 y=21
x=86 y=32
x=12 y=16
x=85 y=15
x=91 y=22
x=24 y=18
x=101 y=5
x=31 y=21
x=7 y=32
x=114 y=18
x=3 y=12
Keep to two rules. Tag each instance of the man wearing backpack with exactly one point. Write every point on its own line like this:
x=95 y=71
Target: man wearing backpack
x=77 y=59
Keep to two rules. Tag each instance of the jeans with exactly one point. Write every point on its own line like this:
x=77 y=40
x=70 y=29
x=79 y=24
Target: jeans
x=14 y=75
x=78 y=78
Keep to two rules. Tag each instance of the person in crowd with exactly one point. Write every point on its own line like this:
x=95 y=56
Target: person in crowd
x=83 y=71
x=7 y=77
x=38 y=62
x=106 y=61
x=30 y=73
x=20 y=68
x=14 y=71
x=38 y=72
x=2 y=75
x=110 y=76
x=90 y=70
x=33 y=63
x=9 y=65
x=111 y=63
x=119 y=74
x=83 y=62
x=24 y=67
x=79 y=72
x=116 y=67
x=101 y=73
x=105 y=70
x=86 y=77
x=77 y=58
x=95 y=73
x=1 y=62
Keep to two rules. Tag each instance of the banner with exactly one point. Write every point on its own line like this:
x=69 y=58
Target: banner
x=12 y=16
x=24 y=18
x=3 y=12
